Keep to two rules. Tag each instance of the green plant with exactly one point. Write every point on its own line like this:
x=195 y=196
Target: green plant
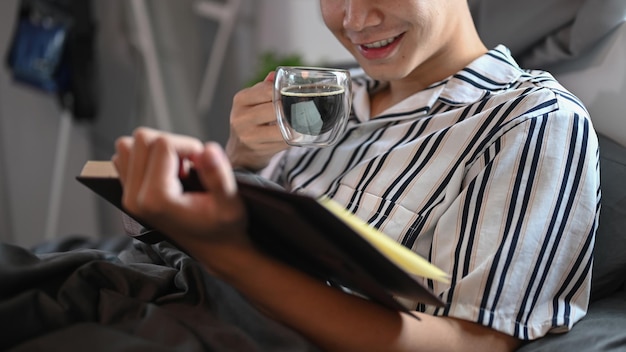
x=268 y=61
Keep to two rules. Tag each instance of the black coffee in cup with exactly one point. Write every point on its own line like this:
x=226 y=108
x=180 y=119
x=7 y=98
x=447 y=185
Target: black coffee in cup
x=313 y=109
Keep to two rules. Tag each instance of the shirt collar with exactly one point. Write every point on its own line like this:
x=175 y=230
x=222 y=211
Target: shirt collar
x=489 y=74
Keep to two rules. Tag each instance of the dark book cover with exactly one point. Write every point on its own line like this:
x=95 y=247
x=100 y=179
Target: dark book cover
x=301 y=232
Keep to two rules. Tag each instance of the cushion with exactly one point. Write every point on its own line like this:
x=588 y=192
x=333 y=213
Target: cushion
x=609 y=270
x=602 y=330
x=561 y=29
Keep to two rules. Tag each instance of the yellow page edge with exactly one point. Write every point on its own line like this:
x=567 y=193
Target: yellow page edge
x=405 y=258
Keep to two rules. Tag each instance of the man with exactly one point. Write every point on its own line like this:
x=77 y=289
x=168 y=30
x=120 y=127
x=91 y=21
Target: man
x=488 y=170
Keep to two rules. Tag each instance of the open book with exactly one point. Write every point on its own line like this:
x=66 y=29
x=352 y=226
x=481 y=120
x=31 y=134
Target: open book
x=317 y=236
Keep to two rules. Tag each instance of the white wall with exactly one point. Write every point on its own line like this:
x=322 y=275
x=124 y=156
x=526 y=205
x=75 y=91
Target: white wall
x=29 y=120
x=29 y=125
x=296 y=26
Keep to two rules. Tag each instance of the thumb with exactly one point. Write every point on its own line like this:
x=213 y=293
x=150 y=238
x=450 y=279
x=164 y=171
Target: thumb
x=216 y=173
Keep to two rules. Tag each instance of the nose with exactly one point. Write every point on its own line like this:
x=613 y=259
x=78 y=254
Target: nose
x=360 y=14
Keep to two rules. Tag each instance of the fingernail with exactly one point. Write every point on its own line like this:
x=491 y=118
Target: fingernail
x=270 y=76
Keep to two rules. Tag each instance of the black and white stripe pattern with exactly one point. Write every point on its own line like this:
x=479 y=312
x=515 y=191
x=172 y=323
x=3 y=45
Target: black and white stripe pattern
x=491 y=174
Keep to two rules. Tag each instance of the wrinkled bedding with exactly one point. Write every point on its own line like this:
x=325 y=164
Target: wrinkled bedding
x=122 y=295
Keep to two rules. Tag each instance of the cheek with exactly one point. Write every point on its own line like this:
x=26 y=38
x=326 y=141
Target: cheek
x=332 y=14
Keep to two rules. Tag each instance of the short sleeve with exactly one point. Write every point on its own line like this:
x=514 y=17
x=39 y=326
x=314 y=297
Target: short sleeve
x=518 y=239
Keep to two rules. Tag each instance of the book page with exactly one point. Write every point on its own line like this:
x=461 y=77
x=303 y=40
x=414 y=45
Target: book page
x=97 y=168
x=402 y=256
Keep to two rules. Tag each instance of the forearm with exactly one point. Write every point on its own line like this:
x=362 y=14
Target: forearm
x=332 y=319
x=328 y=317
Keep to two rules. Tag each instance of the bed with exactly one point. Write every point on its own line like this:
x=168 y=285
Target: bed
x=116 y=294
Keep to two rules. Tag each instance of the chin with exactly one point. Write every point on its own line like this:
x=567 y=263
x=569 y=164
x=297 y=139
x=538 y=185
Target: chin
x=386 y=72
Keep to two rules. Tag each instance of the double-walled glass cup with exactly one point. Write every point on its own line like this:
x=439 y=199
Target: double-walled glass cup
x=312 y=104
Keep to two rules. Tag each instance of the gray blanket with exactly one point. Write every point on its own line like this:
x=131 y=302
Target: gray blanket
x=143 y=297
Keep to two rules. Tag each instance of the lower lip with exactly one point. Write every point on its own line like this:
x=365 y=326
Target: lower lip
x=379 y=53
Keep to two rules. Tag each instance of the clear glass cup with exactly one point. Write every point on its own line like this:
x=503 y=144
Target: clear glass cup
x=312 y=104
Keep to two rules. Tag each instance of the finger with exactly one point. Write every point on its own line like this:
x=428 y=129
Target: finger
x=271 y=76
x=162 y=186
x=216 y=172
x=266 y=114
x=216 y=212
x=218 y=176
x=260 y=93
x=136 y=166
x=123 y=146
x=182 y=144
x=135 y=159
x=260 y=135
x=248 y=119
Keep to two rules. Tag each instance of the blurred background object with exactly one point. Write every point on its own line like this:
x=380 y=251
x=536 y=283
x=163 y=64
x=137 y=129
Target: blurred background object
x=173 y=65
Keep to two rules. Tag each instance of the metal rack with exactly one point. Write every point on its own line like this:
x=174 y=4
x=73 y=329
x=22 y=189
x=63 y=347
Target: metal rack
x=224 y=13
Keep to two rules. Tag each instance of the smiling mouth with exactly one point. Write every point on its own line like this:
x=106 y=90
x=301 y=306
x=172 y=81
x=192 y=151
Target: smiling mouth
x=380 y=44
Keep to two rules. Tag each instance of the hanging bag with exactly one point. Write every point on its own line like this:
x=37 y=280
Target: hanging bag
x=36 y=55
x=52 y=50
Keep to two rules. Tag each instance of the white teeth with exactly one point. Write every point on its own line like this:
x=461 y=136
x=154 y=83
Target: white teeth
x=380 y=44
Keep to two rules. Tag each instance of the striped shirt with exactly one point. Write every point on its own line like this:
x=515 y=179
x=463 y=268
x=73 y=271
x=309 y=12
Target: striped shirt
x=492 y=174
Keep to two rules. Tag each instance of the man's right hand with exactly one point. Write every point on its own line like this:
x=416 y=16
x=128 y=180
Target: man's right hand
x=254 y=135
